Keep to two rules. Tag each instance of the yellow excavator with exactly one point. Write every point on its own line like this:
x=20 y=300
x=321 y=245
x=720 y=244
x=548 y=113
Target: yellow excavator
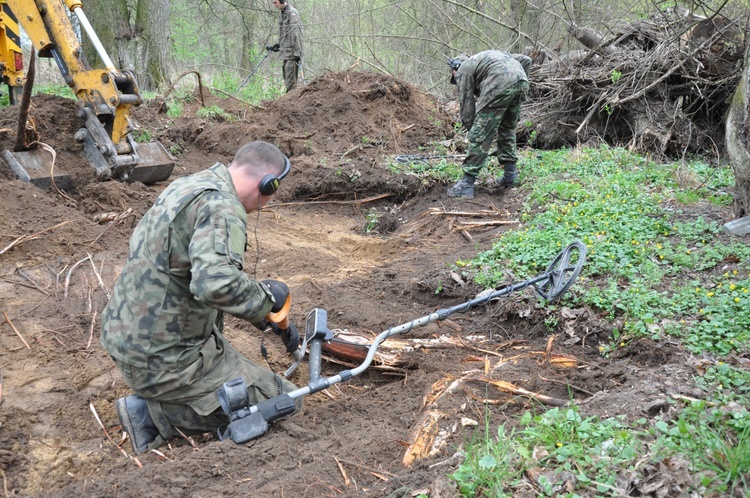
x=105 y=95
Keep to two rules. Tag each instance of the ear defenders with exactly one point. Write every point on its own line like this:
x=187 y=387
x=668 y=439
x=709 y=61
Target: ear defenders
x=269 y=184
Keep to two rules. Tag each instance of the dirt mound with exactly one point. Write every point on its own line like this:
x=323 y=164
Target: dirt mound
x=341 y=115
x=52 y=121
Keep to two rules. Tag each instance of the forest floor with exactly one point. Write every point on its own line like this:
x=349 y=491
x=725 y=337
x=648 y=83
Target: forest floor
x=352 y=439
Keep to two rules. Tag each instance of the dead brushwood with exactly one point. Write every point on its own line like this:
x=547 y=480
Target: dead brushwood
x=658 y=86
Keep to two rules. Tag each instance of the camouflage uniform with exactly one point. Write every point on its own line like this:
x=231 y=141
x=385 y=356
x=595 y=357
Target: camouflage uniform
x=501 y=83
x=163 y=324
x=290 y=45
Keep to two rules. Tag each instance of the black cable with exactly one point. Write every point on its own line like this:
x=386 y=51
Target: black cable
x=263 y=350
x=257 y=242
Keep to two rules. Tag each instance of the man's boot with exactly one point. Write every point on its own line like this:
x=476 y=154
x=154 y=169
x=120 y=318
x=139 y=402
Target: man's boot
x=510 y=174
x=463 y=188
x=136 y=421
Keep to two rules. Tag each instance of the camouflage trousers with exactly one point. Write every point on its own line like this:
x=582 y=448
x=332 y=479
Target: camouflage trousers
x=185 y=397
x=497 y=120
x=290 y=69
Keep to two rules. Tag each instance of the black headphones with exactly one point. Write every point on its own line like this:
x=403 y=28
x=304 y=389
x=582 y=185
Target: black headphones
x=269 y=184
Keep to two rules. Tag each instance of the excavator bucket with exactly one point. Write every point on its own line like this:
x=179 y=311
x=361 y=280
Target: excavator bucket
x=151 y=163
x=154 y=163
x=35 y=166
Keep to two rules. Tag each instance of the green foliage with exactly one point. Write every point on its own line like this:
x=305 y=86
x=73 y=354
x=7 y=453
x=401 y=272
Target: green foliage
x=439 y=169
x=372 y=216
x=490 y=467
x=716 y=444
x=142 y=135
x=254 y=91
x=447 y=168
x=60 y=90
x=615 y=76
x=215 y=113
x=174 y=109
x=623 y=208
x=558 y=440
x=662 y=275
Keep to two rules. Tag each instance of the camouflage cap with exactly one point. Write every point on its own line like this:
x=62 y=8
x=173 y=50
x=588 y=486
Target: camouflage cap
x=455 y=63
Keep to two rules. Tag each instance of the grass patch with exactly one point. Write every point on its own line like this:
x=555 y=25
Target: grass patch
x=215 y=113
x=660 y=273
x=641 y=251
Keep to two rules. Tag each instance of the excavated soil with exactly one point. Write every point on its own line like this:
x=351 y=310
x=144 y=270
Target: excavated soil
x=352 y=439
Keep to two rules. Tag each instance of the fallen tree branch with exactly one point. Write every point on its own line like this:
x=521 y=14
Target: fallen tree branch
x=345 y=203
x=464 y=225
x=7 y=320
x=520 y=391
x=26 y=238
x=478 y=214
x=200 y=85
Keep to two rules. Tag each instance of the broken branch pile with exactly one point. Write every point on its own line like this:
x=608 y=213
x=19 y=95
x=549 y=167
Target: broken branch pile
x=660 y=86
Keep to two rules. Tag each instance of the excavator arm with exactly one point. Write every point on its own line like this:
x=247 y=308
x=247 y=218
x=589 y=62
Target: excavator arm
x=105 y=95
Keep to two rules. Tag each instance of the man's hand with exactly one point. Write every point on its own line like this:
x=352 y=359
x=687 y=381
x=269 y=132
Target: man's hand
x=273 y=48
x=289 y=336
x=280 y=292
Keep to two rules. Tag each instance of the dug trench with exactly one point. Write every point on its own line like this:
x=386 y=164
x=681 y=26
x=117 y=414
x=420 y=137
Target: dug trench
x=372 y=246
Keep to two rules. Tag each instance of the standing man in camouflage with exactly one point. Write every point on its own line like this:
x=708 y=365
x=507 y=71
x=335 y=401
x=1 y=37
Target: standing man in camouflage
x=290 y=42
x=163 y=326
x=491 y=87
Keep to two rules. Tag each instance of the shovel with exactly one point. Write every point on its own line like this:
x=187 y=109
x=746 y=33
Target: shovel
x=249 y=422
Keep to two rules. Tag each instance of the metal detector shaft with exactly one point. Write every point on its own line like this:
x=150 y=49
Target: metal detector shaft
x=268 y=52
x=316 y=383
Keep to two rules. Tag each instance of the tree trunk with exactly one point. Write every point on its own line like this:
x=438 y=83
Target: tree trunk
x=152 y=25
x=136 y=43
x=519 y=12
x=110 y=20
x=738 y=140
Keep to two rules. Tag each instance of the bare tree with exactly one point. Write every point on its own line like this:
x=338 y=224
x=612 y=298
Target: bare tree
x=135 y=33
x=738 y=140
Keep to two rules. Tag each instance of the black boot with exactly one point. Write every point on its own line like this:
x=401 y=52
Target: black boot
x=136 y=421
x=463 y=188
x=510 y=174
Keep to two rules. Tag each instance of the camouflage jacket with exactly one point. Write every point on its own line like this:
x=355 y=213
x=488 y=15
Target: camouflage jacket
x=290 y=34
x=484 y=76
x=184 y=266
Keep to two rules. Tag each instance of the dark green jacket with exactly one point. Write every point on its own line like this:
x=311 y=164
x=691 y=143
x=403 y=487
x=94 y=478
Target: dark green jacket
x=290 y=34
x=184 y=266
x=484 y=76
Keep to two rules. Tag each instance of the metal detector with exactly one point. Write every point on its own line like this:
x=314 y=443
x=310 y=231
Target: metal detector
x=268 y=52
x=250 y=422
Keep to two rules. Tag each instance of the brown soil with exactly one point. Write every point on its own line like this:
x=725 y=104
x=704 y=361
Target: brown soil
x=350 y=440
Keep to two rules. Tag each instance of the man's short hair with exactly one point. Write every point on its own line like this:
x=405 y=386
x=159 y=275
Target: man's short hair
x=260 y=157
